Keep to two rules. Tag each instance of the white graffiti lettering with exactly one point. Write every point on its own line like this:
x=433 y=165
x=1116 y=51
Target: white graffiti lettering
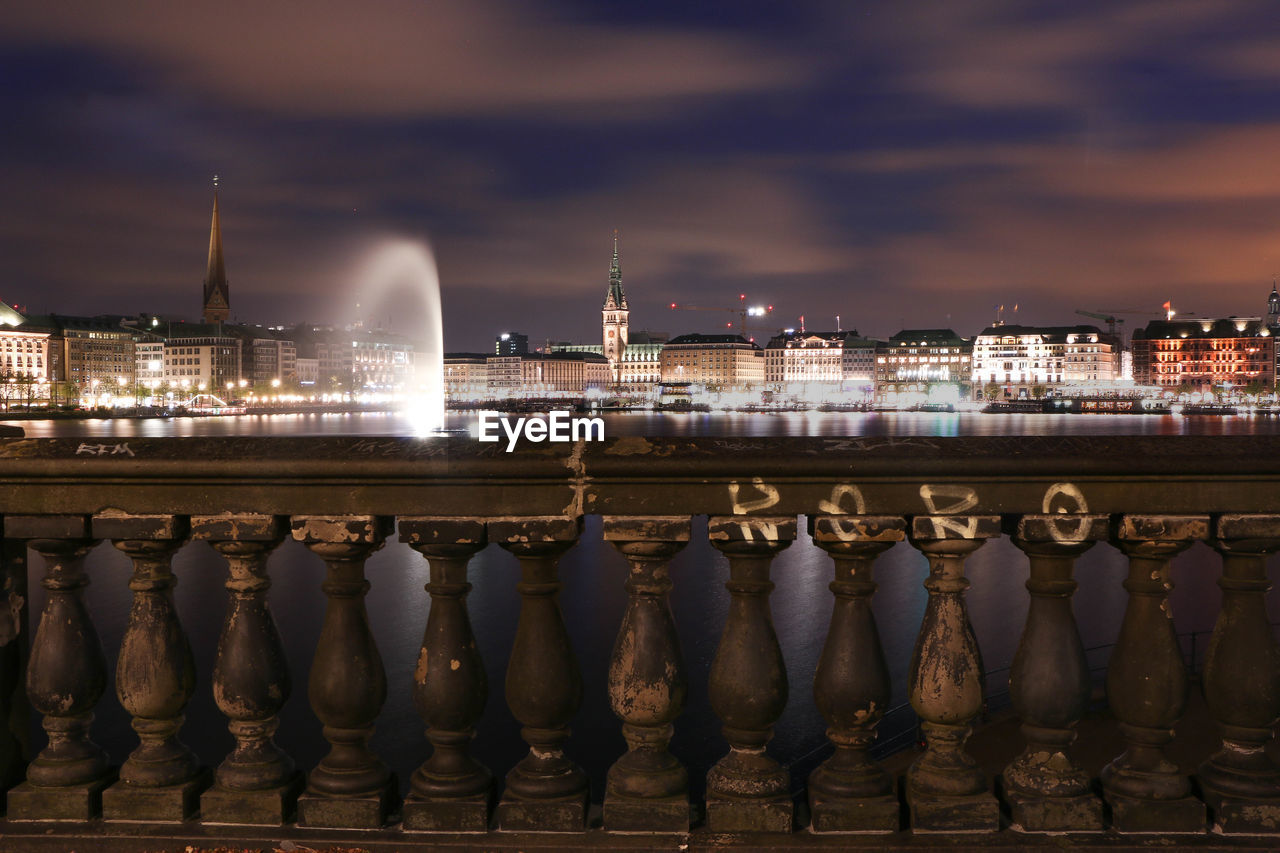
x=770 y=498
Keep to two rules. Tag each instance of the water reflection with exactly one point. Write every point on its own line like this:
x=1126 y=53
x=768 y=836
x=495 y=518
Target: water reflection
x=675 y=424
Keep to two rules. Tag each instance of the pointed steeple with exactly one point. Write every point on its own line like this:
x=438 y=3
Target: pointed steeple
x=217 y=295
x=615 y=297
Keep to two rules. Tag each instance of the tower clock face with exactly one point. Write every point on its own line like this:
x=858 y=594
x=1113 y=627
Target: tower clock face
x=611 y=333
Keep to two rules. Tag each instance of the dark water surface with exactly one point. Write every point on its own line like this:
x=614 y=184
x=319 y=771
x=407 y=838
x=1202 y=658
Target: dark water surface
x=593 y=599
x=678 y=424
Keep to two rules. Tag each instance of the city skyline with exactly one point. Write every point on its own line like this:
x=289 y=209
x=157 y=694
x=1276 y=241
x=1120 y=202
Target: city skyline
x=897 y=164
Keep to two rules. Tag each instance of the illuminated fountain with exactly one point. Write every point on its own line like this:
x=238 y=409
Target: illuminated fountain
x=393 y=270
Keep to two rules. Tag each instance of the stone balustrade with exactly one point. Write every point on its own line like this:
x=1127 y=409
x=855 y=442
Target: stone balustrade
x=448 y=499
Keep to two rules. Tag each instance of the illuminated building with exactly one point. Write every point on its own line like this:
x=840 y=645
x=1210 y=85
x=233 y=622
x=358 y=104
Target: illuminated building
x=511 y=343
x=825 y=366
x=1025 y=361
x=266 y=355
x=24 y=348
x=720 y=362
x=1204 y=353
x=201 y=357
x=921 y=362
x=466 y=375
x=88 y=352
x=547 y=374
x=639 y=371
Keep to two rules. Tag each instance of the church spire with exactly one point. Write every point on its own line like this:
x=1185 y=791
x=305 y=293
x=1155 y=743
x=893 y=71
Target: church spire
x=616 y=297
x=217 y=296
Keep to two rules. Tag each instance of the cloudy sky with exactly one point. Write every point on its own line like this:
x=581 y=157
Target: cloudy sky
x=892 y=162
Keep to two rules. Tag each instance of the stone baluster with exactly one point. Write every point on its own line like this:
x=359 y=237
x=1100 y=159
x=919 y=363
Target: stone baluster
x=15 y=743
x=1049 y=681
x=351 y=787
x=946 y=788
x=257 y=783
x=161 y=780
x=647 y=788
x=66 y=676
x=1147 y=683
x=850 y=792
x=451 y=791
x=545 y=791
x=1241 y=681
x=747 y=790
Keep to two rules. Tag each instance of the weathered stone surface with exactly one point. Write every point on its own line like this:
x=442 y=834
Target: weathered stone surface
x=534 y=529
x=1165 y=817
x=1162 y=528
x=857 y=528
x=637 y=814
x=625 y=528
x=946 y=787
x=748 y=528
x=862 y=815
x=343 y=529
x=750 y=815
x=450 y=687
x=558 y=814
x=265 y=807
x=1232 y=816
x=66 y=802
x=463 y=814
x=929 y=528
x=1241 y=679
x=155 y=671
x=1050 y=682
x=1147 y=681
x=748 y=790
x=1066 y=528
x=368 y=811
x=850 y=792
x=425 y=530
x=941 y=813
x=66 y=675
x=48 y=527
x=351 y=786
x=240 y=527
x=123 y=526
x=170 y=804
x=1082 y=813
x=546 y=791
x=647 y=684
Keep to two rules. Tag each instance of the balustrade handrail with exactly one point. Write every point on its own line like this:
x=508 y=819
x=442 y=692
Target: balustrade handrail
x=634 y=474
x=343 y=497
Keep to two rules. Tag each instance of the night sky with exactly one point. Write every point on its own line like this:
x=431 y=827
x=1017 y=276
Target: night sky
x=916 y=163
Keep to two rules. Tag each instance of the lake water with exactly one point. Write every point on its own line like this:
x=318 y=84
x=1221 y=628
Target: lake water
x=593 y=598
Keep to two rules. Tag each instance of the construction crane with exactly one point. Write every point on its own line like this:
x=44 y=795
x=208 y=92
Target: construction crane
x=1110 y=318
x=743 y=310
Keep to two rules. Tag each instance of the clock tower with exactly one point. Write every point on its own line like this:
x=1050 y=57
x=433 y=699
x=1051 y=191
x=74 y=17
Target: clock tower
x=614 y=315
